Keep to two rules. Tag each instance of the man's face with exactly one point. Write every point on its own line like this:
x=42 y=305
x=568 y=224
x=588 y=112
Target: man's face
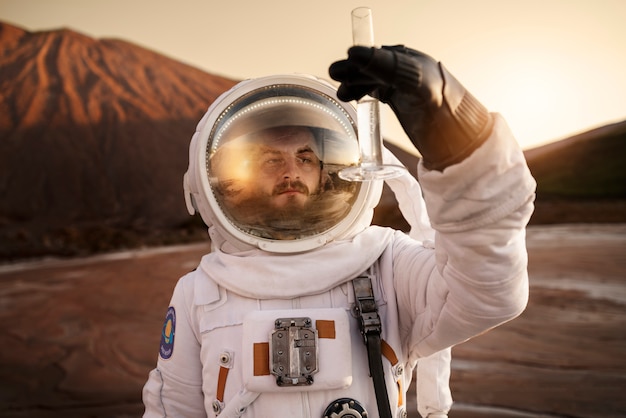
x=287 y=169
x=271 y=182
x=273 y=170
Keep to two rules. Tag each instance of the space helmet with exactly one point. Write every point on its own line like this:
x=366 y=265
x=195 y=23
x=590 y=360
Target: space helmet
x=264 y=163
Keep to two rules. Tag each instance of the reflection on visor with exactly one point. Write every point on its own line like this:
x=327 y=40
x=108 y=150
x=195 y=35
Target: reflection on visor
x=273 y=169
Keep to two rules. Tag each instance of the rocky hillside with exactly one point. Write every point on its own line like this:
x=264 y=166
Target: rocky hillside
x=588 y=165
x=581 y=179
x=94 y=140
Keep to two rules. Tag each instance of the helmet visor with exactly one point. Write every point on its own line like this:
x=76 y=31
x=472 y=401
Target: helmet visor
x=272 y=161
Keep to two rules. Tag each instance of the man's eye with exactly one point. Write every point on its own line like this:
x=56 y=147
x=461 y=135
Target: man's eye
x=273 y=163
x=307 y=159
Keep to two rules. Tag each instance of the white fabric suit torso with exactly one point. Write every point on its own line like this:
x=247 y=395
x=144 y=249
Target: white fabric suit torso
x=429 y=298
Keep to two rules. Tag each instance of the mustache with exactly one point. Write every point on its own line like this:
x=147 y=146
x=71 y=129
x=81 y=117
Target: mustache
x=289 y=185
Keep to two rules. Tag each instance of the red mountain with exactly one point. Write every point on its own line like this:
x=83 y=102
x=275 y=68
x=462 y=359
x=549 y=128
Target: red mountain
x=94 y=137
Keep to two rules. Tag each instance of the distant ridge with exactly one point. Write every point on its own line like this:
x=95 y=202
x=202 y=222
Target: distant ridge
x=590 y=165
x=581 y=179
x=613 y=129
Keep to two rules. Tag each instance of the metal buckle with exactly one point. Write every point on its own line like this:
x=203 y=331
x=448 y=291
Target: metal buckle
x=367 y=311
x=294 y=352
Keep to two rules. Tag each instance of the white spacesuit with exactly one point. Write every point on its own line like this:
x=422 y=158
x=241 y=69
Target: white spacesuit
x=303 y=308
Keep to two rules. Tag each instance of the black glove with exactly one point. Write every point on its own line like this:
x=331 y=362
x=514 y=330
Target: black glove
x=442 y=119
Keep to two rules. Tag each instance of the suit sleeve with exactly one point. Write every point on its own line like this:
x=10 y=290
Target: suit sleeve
x=174 y=387
x=476 y=276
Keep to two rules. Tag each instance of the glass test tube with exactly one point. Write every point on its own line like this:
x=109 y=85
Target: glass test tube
x=371 y=165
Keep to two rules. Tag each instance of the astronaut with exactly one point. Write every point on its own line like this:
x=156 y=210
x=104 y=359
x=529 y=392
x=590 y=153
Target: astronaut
x=303 y=308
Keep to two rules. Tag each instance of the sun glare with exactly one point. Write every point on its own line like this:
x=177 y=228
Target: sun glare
x=531 y=89
x=532 y=101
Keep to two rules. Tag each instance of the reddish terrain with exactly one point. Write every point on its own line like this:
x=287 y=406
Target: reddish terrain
x=81 y=335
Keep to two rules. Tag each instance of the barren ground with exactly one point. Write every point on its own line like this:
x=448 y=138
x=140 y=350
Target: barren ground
x=80 y=335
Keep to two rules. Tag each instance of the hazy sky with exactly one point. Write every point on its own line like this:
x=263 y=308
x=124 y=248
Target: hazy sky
x=551 y=67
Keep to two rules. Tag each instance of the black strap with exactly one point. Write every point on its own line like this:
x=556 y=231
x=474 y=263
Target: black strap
x=370 y=325
x=375 y=357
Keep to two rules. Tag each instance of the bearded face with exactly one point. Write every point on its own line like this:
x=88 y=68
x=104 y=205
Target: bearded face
x=270 y=178
x=273 y=184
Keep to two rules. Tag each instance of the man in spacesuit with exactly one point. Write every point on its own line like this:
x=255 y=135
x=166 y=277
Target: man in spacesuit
x=299 y=313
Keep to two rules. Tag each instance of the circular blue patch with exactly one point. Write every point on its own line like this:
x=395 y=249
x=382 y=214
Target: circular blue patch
x=167 y=334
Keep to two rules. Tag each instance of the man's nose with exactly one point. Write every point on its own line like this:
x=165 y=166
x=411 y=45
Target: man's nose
x=291 y=169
